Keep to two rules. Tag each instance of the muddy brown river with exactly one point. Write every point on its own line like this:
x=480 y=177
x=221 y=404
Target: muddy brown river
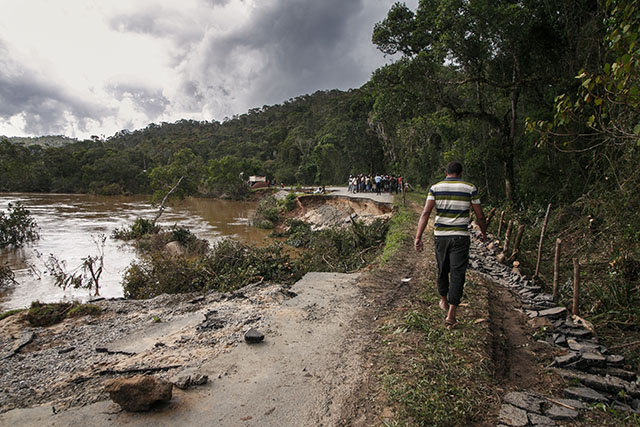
x=69 y=223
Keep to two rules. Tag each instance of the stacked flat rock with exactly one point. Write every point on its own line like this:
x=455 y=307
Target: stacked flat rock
x=533 y=409
x=599 y=373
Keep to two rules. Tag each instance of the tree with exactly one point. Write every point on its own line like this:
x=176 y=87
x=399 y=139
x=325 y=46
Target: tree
x=185 y=164
x=478 y=59
x=228 y=176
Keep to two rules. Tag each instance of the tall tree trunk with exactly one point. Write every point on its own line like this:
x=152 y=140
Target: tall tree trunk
x=509 y=147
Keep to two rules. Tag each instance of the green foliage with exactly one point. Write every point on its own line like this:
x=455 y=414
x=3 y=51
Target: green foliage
x=267 y=213
x=344 y=249
x=228 y=266
x=84 y=310
x=440 y=377
x=289 y=202
x=276 y=141
x=480 y=65
x=401 y=226
x=298 y=233
x=227 y=175
x=186 y=168
x=140 y=228
x=231 y=265
x=17 y=226
x=41 y=314
x=11 y=313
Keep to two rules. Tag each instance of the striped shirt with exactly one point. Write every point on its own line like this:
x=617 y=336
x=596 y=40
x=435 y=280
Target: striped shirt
x=453 y=198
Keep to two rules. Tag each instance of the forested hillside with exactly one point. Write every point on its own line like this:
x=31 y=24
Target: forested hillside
x=317 y=138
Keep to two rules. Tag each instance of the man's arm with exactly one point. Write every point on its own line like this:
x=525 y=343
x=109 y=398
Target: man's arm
x=480 y=219
x=422 y=224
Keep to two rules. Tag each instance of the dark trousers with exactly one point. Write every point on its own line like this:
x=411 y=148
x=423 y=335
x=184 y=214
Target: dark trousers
x=452 y=256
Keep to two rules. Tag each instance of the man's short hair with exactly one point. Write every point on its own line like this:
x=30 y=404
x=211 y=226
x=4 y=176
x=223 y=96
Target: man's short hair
x=454 y=168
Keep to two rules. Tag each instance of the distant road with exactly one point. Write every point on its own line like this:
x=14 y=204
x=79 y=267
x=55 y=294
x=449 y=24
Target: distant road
x=343 y=191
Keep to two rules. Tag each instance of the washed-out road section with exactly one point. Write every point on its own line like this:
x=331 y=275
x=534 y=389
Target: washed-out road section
x=301 y=374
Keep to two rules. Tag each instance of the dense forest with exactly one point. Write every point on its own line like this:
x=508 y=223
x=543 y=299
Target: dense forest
x=317 y=138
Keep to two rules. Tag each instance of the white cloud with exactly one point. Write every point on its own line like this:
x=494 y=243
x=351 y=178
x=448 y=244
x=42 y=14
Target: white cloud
x=88 y=67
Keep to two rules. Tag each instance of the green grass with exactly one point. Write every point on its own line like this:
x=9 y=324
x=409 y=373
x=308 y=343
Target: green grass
x=11 y=313
x=401 y=229
x=436 y=376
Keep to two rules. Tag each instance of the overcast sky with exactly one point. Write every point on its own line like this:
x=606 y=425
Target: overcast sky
x=94 y=67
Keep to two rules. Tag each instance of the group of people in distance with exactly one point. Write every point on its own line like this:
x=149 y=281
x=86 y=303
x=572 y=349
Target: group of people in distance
x=376 y=183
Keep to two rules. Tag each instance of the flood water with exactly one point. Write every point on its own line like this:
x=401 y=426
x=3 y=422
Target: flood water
x=70 y=223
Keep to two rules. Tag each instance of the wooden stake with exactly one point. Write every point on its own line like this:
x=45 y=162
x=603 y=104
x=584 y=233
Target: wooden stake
x=544 y=229
x=490 y=216
x=576 y=287
x=507 y=237
x=556 y=269
x=516 y=244
x=500 y=224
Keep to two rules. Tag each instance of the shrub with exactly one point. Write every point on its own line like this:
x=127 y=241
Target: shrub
x=289 y=202
x=41 y=314
x=17 y=226
x=344 y=249
x=84 y=310
x=229 y=265
x=141 y=228
x=267 y=213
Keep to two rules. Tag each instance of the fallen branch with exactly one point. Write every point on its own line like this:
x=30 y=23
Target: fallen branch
x=137 y=370
x=162 y=203
x=560 y=403
x=629 y=344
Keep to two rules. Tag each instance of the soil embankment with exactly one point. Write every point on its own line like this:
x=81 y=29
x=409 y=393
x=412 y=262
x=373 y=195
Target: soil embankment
x=334 y=211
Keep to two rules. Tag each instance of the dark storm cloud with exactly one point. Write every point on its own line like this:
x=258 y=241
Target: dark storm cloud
x=150 y=101
x=286 y=48
x=44 y=105
x=303 y=43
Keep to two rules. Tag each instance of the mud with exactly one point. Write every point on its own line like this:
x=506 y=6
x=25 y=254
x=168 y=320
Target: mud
x=335 y=211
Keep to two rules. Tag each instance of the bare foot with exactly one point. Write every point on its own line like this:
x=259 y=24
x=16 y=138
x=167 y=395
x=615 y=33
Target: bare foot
x=444 y=304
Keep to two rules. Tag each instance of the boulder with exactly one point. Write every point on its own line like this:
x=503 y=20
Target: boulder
x=138 y=393
x=175 y=249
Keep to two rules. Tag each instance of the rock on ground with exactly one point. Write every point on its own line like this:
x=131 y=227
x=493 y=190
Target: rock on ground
x=138 y=393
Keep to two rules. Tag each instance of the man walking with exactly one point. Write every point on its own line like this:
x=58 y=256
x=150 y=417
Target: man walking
x=452 y=198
